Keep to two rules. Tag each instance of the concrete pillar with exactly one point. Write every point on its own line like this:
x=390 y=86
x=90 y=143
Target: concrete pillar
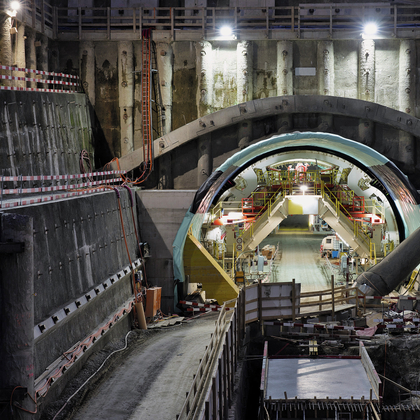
x=165 y=174
x=5 y=46
x=204 y=165
x=407 y=91
x=30 y=53
x=137 y=127
x=126 y=95
x=41 y=44
x=325 y=62
x=165 y=65
x=366 y=132
x=204 y=54
x=87 y=69
x=244 y=73
x=367 y=70
x=407 y=100
x=19 y=54
x=17 y=310
x=284 y=68
x=244 y=134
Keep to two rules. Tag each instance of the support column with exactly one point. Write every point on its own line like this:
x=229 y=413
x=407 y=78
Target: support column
x=5 y=45
x=17 y=310
x=42 y=55
x=137 y=123
x=244 y=74
x=19 y=54
x=126 y=95
x=325 y=61
x=205 y=78
x=284 y=68
x=30 y=54
x=165 y=66
x=407 y=100
x=367 y=70
x=87 y=69
x=204 y=165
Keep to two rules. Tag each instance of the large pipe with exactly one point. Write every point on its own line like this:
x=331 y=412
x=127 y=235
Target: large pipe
x=393 y=269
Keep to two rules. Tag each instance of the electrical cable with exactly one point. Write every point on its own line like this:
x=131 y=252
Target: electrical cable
x=126 y=245
x=90 y=377
x=21 y=408
x=135 y=230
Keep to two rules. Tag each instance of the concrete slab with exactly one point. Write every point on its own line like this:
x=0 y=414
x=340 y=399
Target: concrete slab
x=321 y=378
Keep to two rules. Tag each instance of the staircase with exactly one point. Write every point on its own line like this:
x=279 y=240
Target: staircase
x=276 y=212
x=350 y=231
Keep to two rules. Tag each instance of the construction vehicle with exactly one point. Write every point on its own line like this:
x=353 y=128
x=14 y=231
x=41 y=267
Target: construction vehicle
x=331 y=247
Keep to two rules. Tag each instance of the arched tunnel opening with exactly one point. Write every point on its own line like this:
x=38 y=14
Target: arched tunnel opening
x=264 y=205
x=336 y=187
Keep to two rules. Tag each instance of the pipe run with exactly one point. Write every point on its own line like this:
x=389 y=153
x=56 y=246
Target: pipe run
x=393 y=269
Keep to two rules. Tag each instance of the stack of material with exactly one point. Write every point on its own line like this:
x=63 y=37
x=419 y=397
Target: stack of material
x=268 y=251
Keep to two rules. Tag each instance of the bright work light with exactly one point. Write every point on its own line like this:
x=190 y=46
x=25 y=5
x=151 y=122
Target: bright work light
x=226 y=31
x=370 y=29
x=15 y=5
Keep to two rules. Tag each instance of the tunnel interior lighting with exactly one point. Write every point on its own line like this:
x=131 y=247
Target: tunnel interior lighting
x=303 y=188
x=15 y=5
x=226 y=32
x=370 y=29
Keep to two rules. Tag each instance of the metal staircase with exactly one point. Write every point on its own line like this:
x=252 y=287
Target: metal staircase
x=331 y=211
x=274 y=212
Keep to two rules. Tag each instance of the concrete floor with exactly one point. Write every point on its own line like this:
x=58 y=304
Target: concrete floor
x=152 y=381
x=299 y=259
x=320 y=378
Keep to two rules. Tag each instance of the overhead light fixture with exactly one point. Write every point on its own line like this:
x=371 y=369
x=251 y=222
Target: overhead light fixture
x=15 y=5
x=226 y=31
x=370 y=30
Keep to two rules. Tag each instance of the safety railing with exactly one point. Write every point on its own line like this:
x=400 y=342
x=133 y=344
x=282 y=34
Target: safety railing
x=43 y=81
x=374 y=379
x=24 y=190
x=266 y=209
x=212 y=386
x=340 y=210
x=329 y=299
x=329 y=18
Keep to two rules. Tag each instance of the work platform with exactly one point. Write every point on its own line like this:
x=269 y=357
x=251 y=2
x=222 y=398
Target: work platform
x=320 y=387
x=315 y=378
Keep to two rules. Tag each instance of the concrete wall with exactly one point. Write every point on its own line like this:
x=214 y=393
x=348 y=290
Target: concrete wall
x=200 y=77
x=160 y=215
x=78 y=244
x=44 y=133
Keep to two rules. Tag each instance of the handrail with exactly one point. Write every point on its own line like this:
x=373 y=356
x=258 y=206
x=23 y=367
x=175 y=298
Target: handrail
x=68 y=83
x=295 y=20
x=358 y=232
x=267 y=208
x=203 y=377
